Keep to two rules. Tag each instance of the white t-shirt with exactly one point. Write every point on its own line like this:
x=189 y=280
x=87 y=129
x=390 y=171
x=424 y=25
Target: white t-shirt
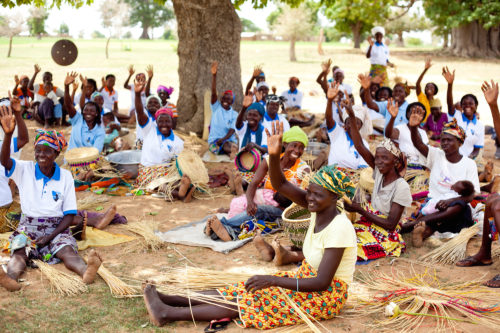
x=474 y=133
x=110 y=98
x=241 y=134
x=37 y=88
x=444 y=174
x=406 y=145
x=342 y=151
x=379 y=54
x=345 y=87
x=156 y=148
x=42 y=196
x=293 y=99
x=132 y=98
x=268 y=122
x=338 y=234
x=138 y=129
x=5 y=193
x=336 y=114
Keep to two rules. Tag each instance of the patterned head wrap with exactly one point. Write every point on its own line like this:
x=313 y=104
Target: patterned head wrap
x=334 y=180
x=452 y=128
x=52 y=139
x=164 y=111
x=295 y=134
x=394 y=150
x=150 y=97
x=94 y=95
x=168 y=90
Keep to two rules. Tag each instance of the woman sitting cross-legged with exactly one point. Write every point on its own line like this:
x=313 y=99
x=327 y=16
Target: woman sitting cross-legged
x=48 y=204
x=377 y=230
x=319 y=287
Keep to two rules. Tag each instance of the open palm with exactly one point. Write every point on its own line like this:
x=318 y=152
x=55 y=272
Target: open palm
x=490 y=91
x=275 y=138
x=7 y=119
x=392 y=107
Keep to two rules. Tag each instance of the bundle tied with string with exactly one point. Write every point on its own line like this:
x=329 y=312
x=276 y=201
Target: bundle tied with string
x=146 y=229
x=84 y=159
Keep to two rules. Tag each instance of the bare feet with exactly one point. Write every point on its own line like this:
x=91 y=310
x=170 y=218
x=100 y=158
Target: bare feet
x=208 y=227
x=487 y=174
x=219 y=229
x=184 y=186
x=230 y=174
x=418 y=234
x=234 y=151
x=189 y=195
x=7 y=282
x=109 y=215
x=284 y=256
x=154 y=305
x=495 y=188
x=266 y=251
x=238 y=184
x=94 y=261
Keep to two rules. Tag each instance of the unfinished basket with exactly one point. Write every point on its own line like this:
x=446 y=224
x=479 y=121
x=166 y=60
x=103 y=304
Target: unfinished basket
x=296 y=221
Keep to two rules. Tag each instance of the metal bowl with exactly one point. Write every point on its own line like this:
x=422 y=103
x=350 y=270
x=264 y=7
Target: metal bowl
x=126 y=161
x=314 y=148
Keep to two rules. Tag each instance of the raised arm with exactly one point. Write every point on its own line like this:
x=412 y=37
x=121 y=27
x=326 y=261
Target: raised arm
x=22 y=130
x=356 y=137
x=491 y=95
x=31 y=85
x=450 y=77
x=390 y=131
x=8 y=122
x=331 y=93
x=321 y=79
x=103 y=83
x=68 y=102
x=142 y=117
x=149 y=71
x=16 y=80
x=131 y=72
x=371 y=42
x=413 y=123
x=81 y=102
x=365 y=82
x=75 y=88
x=278 y=180
x=256 y=72
x=213 y=70
x=241 y=116
x=428 y=64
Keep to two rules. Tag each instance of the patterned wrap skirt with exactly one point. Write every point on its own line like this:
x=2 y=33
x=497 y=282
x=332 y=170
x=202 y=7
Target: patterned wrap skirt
x=36 y=227
x=380 y=70
x=268 y=308
x=376 y=242
x=147 y=174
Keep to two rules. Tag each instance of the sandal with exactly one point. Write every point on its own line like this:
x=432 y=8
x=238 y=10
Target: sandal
x=217 y=325
x=471 y=261
x=493 y=283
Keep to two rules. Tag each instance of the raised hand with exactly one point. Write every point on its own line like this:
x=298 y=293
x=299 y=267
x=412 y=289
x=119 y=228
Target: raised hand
x=214 y=67
x=15 y=103
x=70 y=78
x=416 y=116
x=392 y=107
x=256 y=71
x=333 y=90
x=428 y=62
x=364 y=80
x=347 y=105
x=247 y=100
x=490 y=91
x=75 y=84
x=377 y=79
x=325 y=65
x=131 y=70
x=7 y=119
x=84 y=81
x=275 y=138
x=449 y=76
x=103 y=81
x=16 y=79
x=370 y=40
x=149 y=70
x=139 y=84
x=37 y=69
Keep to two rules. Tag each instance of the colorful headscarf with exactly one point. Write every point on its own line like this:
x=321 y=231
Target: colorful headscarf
x=295 y=134
x=94 y=95
x=229 y=92
x=334 y=180
x=150 y=97
x=262 y=74
x=52 y=139
x=164 y=111
x=257 y=106
x=394 y=150
x=452 y=128
x=168 y=90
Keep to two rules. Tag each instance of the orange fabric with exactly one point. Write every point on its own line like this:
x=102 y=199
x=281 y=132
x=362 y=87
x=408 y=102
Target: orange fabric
x=290 y=174
x=111 y=93
x=42 y=92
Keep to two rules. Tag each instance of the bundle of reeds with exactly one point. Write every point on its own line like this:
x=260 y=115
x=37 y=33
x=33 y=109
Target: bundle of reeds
x=60 y=282
x=117 y=287
x=453 y=250
x=146 y=229
x=91 y=202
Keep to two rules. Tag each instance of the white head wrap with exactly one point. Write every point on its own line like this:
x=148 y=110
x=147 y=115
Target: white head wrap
x=262 y=84
x=362 y=113
x=378 y=29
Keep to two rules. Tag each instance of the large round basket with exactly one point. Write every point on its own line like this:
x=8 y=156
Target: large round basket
x=296 y=220
x=190 y=164
x=248 y=161
x=82 y=158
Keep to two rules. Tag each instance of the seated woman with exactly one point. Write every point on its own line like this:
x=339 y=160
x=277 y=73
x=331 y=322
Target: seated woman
x=250 y=132
x=273 y=103
x=436 y=120
x=377 y=230
x=48 y=204
x=86 y=126
x=264 y=203
x=164 y=93
x=447 y=166
x=319 y=287
x=293 y=95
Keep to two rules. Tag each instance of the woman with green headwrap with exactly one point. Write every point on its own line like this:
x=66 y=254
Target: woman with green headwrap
x=378 y=228
x=319 y=287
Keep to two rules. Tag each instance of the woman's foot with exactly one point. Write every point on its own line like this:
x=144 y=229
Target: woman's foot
x=7 y=282
x=482 y=258
x=266 y=251
x=154 y=305
x=94 y=261
x=238 y=184
x=418 y=234
x=283 y=256
x=184 y=186
x=219 y=229
x=208 y=227
x=493 y=283
x=189 y=195
x=109 y=215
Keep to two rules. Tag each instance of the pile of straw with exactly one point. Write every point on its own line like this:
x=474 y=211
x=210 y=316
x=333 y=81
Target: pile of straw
x=91 y=202
x=146 y=229
x=424 y=295
x=117 y=287
x=60 y=282
x=453 y=250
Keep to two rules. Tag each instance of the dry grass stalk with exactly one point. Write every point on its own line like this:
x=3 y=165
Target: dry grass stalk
x=117 y=287
x=453 y=250
x=301 y=314
x=91 y=202
x=60 y=282
x=146 y=229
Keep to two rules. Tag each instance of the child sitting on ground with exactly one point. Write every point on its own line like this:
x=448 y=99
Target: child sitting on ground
x=436 y=120
x=23 y=93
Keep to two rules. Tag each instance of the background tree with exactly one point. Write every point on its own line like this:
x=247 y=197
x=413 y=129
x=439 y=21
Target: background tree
x=149 y=14
x=11 y=26
x=248 y=25
x=36 y=21
x=63 y=29
x=48 y=3
x=114 y=16
x=404 y=22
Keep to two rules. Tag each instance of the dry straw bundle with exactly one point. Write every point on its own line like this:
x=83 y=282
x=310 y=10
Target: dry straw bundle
x=146 y=229
x=453 y=250
x=91 y=202
x=423 y=295
x=60 y=282
x=117 y=287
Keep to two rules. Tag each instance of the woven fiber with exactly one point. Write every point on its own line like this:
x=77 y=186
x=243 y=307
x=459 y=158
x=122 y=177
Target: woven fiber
x=296 y=220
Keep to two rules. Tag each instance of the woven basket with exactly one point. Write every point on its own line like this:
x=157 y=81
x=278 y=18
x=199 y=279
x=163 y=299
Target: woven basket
x=296 y=220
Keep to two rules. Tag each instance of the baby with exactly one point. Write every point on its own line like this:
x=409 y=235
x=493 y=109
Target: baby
x=464 y=188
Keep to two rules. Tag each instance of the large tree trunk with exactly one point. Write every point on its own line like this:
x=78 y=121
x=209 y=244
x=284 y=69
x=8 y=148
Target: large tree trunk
x=10 y=46
x=445 y=40
x=291 y=51
x=473 y=40
x=400 y=41
x=208 y=30
x=356 y=34
x=144 y=34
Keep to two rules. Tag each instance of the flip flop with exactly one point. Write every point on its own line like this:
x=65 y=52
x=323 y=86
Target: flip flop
x=471 y=261
x=217 y=325
x=496 y=279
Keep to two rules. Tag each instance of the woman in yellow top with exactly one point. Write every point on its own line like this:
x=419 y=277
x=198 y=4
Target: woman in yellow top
x=319 y=287
x=426 y=97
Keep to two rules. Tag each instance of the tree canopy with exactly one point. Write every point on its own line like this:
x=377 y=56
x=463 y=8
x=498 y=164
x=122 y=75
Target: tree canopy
x=45 y=3
x=149 y=14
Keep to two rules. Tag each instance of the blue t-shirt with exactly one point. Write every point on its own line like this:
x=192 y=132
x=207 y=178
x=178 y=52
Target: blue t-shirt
x=400 y=118
x=82 y=136
x=222 y=121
